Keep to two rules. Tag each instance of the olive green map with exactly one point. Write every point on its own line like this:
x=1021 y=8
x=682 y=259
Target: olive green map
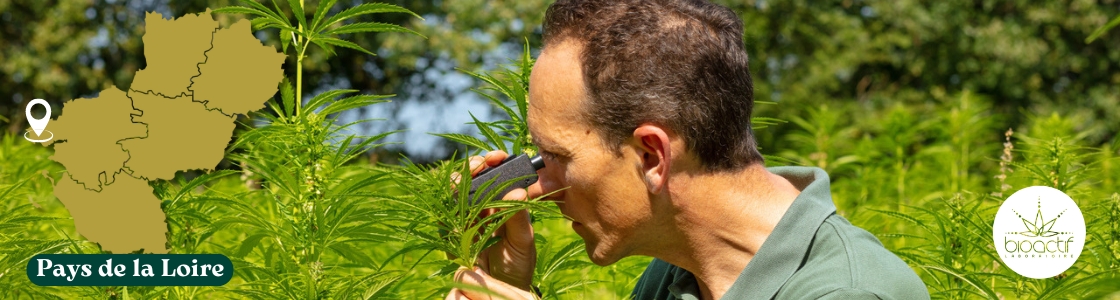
x=178 y=115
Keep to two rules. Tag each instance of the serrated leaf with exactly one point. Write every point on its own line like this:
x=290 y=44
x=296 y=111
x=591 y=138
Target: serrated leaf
x=248 y=244
x=348 y=103
x=343 y=43
x=369 y=27
x=276 y=14
x=242 y=10
x=324 y=46
x=285 y=39
x=262 y=23
x=287 y=97
x=322 y=98
x=320 y=12
x=367 y=8
x=352 y=254
x=465 y=139
x=448 y=269
x=297 y=10
x=489 y=133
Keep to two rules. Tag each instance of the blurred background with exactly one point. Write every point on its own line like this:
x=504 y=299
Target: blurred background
x=1027 y=58
x=925 y=114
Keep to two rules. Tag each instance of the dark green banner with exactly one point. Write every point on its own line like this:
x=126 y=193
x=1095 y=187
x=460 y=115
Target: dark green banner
x=129 y=269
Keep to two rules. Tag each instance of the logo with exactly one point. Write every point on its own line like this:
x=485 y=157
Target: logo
x=1039 y=232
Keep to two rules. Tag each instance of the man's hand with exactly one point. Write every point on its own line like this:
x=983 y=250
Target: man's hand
x=506 y=267
x=478 y=278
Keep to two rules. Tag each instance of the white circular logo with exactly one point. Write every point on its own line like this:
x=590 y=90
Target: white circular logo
x=1039 y=232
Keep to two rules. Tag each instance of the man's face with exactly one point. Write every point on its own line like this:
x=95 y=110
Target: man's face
x=606 y=196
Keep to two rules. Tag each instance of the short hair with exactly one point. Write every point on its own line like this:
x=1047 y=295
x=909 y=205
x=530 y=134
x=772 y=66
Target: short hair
x=674 y=63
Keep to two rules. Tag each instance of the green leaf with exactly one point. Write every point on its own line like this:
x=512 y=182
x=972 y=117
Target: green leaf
x=980 y=286
x=448 y=269
x=320 y=12
x=465 y=139
x=301 y=17
x=263 y=23
x=322 y=98
x=500 y=104
x=490 y=134
x=369 y=27
x=242 y=10
x=348 y=103
x=348 y=252
x=13 y=187
x=324 y=46
x=368 y=8
x=343 y=43
x=1100 y=31
x=276 y=14
x=379 y=288
x=285 y=39
x=248 y=244
x=287 y=96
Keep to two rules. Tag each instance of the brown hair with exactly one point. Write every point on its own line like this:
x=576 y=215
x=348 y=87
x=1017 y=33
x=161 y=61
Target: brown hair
x=679 y=64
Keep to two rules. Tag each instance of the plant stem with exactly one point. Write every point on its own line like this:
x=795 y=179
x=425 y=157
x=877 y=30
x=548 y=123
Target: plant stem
x=299 y=77
x=299 y=66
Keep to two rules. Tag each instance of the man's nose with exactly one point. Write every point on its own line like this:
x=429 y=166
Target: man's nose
x=546 y=184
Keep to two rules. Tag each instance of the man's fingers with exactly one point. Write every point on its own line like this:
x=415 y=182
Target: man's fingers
x=455 y=179
x=478 y=163
x=497 y=288
x=518 y=229
x=516 y=194
x=476 y=166
x=493 y=158
x=456 y=294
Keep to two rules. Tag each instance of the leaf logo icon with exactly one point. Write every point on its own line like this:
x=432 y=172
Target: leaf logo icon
x=1039 y=227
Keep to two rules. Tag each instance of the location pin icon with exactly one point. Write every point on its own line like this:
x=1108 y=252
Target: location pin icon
x=38 y=125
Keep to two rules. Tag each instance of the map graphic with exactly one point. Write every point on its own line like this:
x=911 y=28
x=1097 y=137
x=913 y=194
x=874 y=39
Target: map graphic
x=178 y=115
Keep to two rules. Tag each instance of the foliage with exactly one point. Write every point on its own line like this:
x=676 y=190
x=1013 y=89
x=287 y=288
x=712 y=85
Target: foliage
x=513 y=84
x=949 y=180
x=555 y=257
x=437 y=216
x=907 y=105
x=320 y=30
x=304 y=241
x=1021 y=54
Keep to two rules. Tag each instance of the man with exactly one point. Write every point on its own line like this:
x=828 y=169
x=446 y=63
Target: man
x=642 y=110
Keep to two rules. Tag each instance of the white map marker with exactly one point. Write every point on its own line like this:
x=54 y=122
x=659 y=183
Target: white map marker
x=38 y=125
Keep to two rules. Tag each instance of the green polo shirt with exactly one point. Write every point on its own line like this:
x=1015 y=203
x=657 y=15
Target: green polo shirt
x=813 y=253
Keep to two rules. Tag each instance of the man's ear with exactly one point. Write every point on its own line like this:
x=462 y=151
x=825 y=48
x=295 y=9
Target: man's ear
x=655 y=155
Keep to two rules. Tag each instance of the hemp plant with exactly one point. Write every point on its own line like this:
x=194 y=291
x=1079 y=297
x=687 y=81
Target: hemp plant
x=513 y=84
x=436 y=215
x=306 y=224
x=438 y=212
x=950 y=243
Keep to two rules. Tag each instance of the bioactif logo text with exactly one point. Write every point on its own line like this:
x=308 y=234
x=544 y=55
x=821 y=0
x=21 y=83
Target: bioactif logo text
x=1039 y=232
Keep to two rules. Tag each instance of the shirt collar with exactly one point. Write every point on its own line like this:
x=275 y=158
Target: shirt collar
x=782 y=252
